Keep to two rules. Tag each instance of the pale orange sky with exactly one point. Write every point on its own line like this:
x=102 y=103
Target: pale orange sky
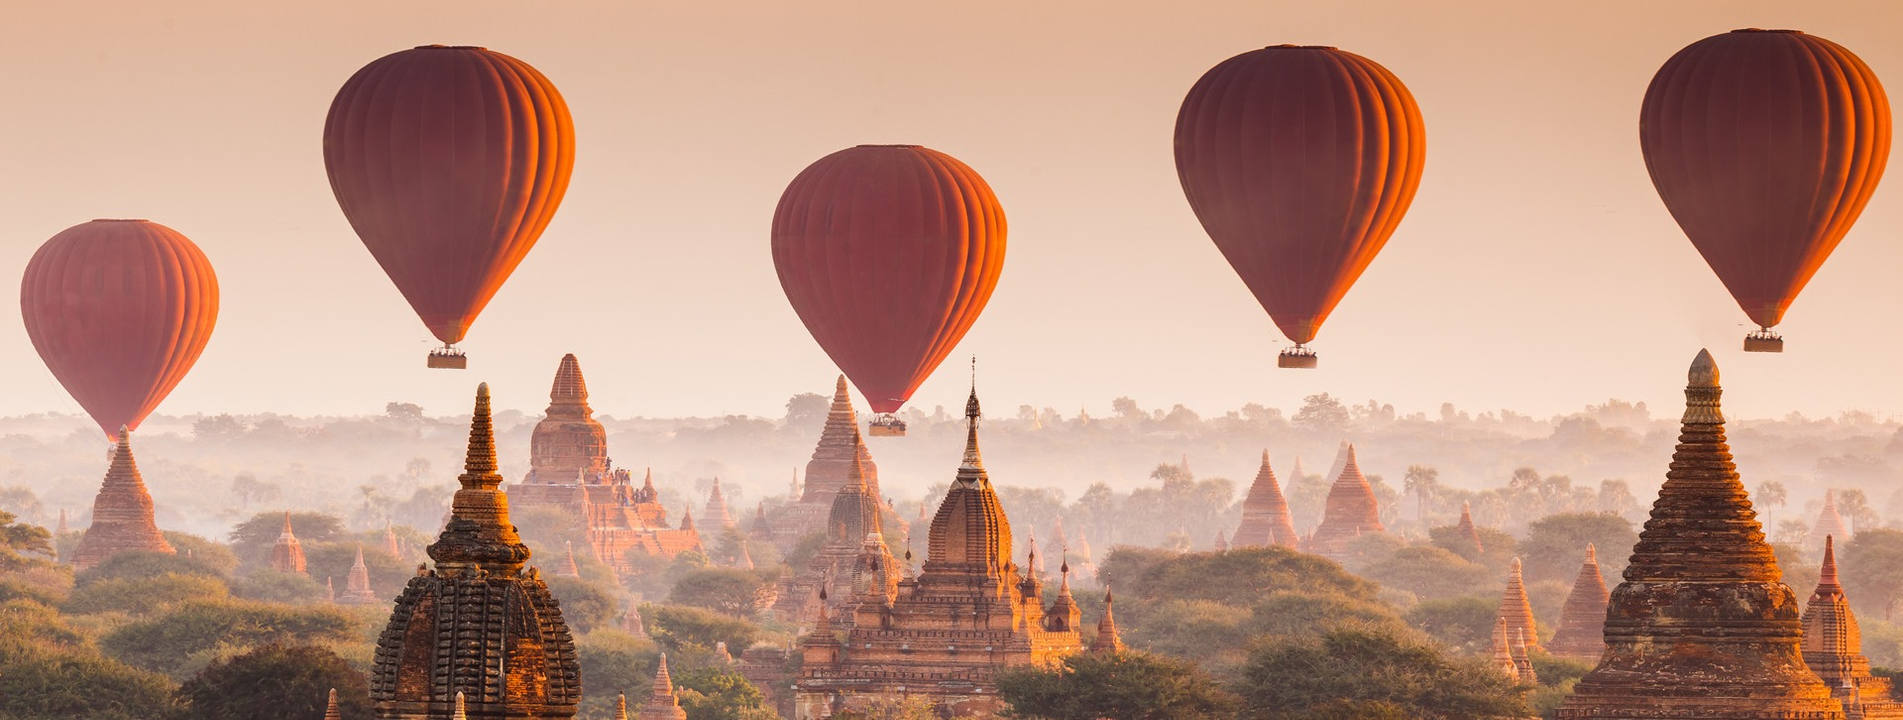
x=1537 y=269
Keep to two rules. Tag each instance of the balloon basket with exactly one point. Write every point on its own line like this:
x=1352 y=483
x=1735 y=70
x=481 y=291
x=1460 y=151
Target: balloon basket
x=885 y=425
x=1297 y=357
x=1763 y=341
x=448 y=358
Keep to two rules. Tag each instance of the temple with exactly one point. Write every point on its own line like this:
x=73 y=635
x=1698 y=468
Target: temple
x=1515 y=609
x=287 y=554
x=840 y=445
x=122 y=513
x=1108 y=640
x=1582 y=621
x=662 y=703
x=481 y=624
x=1830 y=523
x=940 y=636
x=852 y=519
x=569 y=470
x=1351 y=511
x=717 y=511
x=357 y=585
x=1468 y=533
x=1703 y=625
x=1265 y=516
x=1833 y=648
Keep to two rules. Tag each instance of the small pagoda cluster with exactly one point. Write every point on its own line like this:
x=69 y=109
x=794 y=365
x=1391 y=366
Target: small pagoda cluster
x=827 y=473
x=122 y=513
x=1351 y=511
x=1833 y=648
x=1703 y=625
x=481 y=624
x=943 y=634
x=1265 y=515
x=569 y=469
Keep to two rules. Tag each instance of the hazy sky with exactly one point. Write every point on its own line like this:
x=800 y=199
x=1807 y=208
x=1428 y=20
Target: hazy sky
x=1537 y=269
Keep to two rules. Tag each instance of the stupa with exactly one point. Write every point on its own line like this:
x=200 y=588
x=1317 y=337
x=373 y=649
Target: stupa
x=840 y=445
x=1830 y=523
x=1351 y=512
x=1515 y=609
x=1468 y=532
x=1833 y=648
x=1703 y=625
x=569 y=470
x=481 y=623
x=122 y=513
x=287 y=554
x=1265 y=516
x=1108 y=641
x=943 y=635
x=662 y=703
x=717 y=511
x=357 y=585
x=1582 y=621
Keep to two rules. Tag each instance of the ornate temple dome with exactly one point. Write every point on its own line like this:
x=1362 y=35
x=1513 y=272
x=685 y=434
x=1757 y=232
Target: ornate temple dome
x=970 y=533
x=122 y=513
x=1703 y=625
x=855 y=512
x=480 y=624
x=568 y=443
x=1265 y=515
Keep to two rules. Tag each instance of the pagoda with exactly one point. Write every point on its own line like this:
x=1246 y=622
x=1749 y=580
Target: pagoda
x=942 y=635
x=122 y=513
x=853 y=517
x=840 y=445
x=662 y=703
x=717 y=508
x=1582 y=621
x=1265 y=516
x=1501 y=659
x=1703 y=625
x=1515 y=609
x=1833 y=648
x=1351 y=511
x=481 y=624
x=1830 y=523
x=1468 y=533
x=357 y=584
x=1108 y=641
x=287 y=554
x=569 y=470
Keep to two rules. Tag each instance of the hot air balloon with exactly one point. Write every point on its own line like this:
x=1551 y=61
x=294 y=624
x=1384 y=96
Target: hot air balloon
x=119 y=310
x=888 y=253
x=449 y=163
x=1765 y=145
x=1300 y=162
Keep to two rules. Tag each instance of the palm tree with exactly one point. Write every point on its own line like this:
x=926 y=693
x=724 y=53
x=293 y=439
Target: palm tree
x=1770 y=494
x=1420 y=481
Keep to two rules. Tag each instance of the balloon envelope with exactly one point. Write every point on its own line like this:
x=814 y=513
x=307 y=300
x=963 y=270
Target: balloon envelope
x=1765 y=146
x=1300 y=162
x=119 y=310
x=888 y=253
x=449 y=163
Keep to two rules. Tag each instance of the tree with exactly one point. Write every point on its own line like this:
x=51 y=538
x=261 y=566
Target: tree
x=720 y=693
x=277 y=682
x=253 y=538
x=610 y=658
x=42 y=681
x=806 y=410
x=143 y=564
x=1769 y=494
x=1464 y=624
x=1421 y=481
x=403 y=412
x=677 y=626
x=22 y=544
x=585 y=605
x=179 y=640
x=729 y=591
x=1125 y=685
x=1358 y=670
x=143 y=595
x=1556 y=544
x=1428 y=572
x=1322 y=414
x=1873 y=570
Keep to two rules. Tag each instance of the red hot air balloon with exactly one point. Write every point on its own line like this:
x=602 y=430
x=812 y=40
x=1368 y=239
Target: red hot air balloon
x=449 y=163
x=1300 y=162
x=119 y=310
x=1765 y=145
x=888 y=253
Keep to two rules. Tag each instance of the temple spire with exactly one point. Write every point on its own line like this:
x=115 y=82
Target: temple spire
x=971 y=469
x=331 y=712
x=287 y=553
x=1467 y=530
x=1515 y=608
x=479 y=534
x=662 y=703
x=1582 y=621
x=357 y=584
x=461 y=712
x=1108 y=641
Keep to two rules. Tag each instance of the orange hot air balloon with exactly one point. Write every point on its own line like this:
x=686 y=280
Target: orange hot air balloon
x=1300 y=162
x=119 y=310
x=888 y=253
x=449 y=163
x=1765 y=145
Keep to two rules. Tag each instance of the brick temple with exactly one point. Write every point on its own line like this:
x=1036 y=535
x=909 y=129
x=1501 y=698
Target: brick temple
x=122 y=513
x=1265 y=515
x=1582 y=620
x=1833 y=648
x=1351 y=511
x=853 y=518
x=840 y=445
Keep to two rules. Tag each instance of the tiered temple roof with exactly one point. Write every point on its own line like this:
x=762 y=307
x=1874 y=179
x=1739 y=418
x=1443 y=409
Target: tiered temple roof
x=1582 y=622
x=1108 y=640
x=287 y=554
x=1350 y=512
x=1469 y=533
x=122 y=513
x=1703 y=625
x=840 y=445
x=481 y=623
x=1265 y=516
x=943 y=634
x=717 y=511
x=569 y=469
x=1833 y=648
x=357 y=585
x=662 y=704
x=1515 y=608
